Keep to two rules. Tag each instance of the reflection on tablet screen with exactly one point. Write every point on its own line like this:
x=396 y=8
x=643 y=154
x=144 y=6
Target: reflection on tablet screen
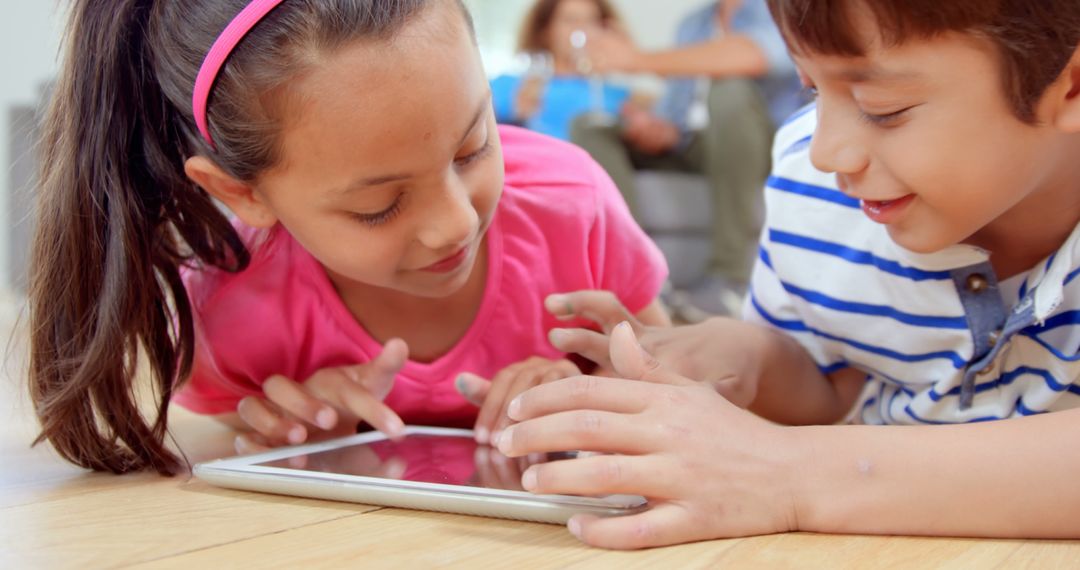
x=450 y=460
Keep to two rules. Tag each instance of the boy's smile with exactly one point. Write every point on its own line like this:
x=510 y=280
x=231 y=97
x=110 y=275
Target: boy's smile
x=923 y=135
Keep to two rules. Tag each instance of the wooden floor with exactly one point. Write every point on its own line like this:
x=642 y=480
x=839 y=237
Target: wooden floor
x=55 y=516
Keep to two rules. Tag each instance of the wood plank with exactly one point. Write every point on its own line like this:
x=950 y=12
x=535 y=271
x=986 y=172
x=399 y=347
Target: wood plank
x=394 y=538
x=130 y=523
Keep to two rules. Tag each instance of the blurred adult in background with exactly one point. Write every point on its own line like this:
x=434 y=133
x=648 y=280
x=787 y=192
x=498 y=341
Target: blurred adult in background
x=731 y=82
x=556 y=88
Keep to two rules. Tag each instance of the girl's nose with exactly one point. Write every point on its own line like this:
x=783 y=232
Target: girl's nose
x=453 y=218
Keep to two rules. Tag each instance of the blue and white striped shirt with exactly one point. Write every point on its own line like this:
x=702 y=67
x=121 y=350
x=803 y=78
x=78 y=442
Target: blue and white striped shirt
x=941 y=341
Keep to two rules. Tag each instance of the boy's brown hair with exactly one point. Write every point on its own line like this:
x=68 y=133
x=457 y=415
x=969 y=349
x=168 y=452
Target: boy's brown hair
x=1034 y=38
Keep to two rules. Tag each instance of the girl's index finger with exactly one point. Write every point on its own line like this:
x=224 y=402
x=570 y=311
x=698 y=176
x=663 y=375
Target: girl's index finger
x=294 y=399
x=378 y=375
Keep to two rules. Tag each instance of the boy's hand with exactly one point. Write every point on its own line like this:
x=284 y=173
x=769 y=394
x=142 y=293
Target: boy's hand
x=329 y=403
x=707 y=468
x=721 y=352
x=494 y=396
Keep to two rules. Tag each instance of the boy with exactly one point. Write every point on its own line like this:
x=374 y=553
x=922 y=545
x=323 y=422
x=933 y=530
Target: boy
x=916 y=276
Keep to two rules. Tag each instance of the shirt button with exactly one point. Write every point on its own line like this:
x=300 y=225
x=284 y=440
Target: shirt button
x=993 y=338
x=977 y=283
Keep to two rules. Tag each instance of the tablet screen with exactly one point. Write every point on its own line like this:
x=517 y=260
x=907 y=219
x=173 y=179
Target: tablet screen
x=423 y=458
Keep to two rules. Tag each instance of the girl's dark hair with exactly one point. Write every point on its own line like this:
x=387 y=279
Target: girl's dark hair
x=118 y=217
x=533 y=35
x=1034 y=38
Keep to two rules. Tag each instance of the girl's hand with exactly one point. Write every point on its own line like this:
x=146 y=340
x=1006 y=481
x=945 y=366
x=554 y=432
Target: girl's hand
x=494 y=396
x=708 y=468
x=721 y=352
x=329 y=403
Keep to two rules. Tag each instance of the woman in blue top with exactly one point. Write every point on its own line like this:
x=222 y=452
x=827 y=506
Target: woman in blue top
x=549 y=104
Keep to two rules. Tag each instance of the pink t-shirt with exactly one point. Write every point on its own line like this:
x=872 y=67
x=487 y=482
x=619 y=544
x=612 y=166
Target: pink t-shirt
x=560 y=226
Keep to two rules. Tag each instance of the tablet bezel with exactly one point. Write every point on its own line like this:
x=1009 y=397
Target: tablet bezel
x=244 y=472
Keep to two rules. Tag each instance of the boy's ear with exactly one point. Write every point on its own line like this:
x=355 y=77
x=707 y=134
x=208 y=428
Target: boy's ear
x=1067 y=91
x=239 y=197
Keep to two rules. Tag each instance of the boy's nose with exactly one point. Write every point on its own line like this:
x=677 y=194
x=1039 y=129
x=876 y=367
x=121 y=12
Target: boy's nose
x=835 y=149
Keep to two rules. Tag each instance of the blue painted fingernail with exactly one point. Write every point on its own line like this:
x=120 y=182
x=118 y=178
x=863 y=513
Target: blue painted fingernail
x=460 y=386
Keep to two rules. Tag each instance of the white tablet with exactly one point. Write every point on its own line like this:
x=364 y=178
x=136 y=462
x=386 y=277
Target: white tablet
x=434 y=469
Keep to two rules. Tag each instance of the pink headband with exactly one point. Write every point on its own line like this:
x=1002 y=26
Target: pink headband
x=215 y=59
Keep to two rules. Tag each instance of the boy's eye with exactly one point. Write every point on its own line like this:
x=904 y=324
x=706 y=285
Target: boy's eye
x=884 y=120
x=471 y=158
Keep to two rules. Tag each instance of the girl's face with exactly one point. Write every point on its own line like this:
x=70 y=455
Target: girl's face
x=391 y=164
x=570 y=16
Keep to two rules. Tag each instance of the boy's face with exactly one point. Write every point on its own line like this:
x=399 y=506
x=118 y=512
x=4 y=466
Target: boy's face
x=923 y=135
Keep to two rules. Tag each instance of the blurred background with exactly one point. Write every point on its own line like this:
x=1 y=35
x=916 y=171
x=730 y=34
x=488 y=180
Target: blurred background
x=30 y=36
x=676 y=99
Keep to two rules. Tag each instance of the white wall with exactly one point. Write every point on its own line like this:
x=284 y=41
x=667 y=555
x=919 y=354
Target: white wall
x=29 y=40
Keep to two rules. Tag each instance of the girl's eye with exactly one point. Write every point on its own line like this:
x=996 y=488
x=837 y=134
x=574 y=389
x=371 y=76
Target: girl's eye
x=471 y=158
x=380 y=218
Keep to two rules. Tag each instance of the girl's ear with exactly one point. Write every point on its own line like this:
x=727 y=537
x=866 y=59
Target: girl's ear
x=238 y=196
x=1067 y=91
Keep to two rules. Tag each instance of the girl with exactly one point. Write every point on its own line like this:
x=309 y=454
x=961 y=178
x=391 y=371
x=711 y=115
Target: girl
x=382 y=244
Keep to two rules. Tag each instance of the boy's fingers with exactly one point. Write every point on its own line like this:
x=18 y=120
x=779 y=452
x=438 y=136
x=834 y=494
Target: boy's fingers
x=647 y=475
x=590 y=344
x=494 y=404
x=524 y=383
x=525 y=380
x=294 y=399
x=631 y=361
x=664 y=524
x=600 y=307
x=605 y=432
x=268 y=422
x=582 y=393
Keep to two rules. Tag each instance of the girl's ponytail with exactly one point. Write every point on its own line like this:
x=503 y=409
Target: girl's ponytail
x=117 y=218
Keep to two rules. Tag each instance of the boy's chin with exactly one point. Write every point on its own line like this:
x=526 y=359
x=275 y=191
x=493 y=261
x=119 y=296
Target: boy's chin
x=919 y=242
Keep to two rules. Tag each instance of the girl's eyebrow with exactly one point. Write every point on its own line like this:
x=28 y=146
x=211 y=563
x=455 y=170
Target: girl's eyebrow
x=386 y=179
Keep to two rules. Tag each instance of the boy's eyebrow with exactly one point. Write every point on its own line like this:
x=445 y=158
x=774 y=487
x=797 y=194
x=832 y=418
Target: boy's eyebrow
x=380 y=180
x=871 y=73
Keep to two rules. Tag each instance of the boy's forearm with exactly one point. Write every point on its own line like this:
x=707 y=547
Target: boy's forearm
x=1012 y=478
x=792 y=389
